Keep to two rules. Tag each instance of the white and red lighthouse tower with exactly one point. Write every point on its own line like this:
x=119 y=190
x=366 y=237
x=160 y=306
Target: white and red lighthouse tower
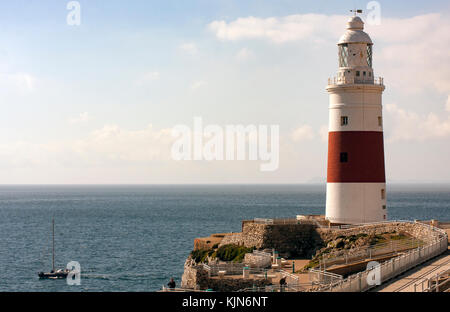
x=356 y=183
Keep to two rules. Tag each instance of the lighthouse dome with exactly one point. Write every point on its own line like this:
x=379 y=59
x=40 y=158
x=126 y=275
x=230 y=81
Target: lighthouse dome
x=355 y=33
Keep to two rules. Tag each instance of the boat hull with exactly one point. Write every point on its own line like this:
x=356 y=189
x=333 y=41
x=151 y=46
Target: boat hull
x=54 y=275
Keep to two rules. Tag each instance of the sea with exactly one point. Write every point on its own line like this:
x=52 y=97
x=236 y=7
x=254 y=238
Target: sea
x=136 y=237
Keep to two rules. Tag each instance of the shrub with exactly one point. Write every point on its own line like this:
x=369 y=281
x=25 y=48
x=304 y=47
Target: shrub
x=199 y=255
x=341 y=244
x=232 y=252
x=399 y=236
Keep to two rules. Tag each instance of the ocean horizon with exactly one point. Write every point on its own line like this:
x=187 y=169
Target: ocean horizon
x=135 y=237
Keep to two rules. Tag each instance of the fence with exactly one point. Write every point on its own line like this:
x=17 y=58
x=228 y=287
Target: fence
x=319 y=277
x=440 y=282
x=349 y=256
x=230 y=268
x=350 y=80
x=277 y=288
x=392 y=268
x=285 y=221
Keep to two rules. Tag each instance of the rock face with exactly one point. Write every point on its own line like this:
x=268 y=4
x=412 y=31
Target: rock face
x=289 y=240
x=233 y=284
x=303 y=240
x=419 y=232
x=257 y=261
x=195 y=277
x=191 y=274
x=233 y=239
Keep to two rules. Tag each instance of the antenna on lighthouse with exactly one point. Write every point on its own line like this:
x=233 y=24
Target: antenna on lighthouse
x=355 y=11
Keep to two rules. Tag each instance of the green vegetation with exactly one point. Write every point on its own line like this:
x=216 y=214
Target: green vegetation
x=377 y=239
x=354 y=238
x=312 y=264
x=199 y=255
x=224 y=253
x=232 y=252
x=398 y=236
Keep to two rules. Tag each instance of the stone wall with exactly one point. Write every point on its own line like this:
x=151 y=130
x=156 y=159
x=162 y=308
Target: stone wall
x=288 y=239
x=233 y=239
x=416 y=230
x=192 y=274
x=232 y=284
x=195 y=277
x=257 y=261
x=302 y=240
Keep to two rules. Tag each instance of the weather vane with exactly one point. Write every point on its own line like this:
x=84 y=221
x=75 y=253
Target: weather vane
x=355 y=11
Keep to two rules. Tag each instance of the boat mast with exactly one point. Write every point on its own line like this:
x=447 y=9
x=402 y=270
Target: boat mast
x=53 y=248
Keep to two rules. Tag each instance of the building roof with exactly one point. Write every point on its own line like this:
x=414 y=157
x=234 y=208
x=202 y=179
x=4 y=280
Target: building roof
x=355 y=33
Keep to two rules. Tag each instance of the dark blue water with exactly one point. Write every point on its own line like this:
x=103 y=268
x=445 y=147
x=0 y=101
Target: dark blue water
x=134 y=238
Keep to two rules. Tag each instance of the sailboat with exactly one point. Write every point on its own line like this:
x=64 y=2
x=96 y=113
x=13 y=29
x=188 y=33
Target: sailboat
x=54 y=274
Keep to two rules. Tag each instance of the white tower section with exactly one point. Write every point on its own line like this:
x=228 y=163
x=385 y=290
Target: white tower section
x=356 y=185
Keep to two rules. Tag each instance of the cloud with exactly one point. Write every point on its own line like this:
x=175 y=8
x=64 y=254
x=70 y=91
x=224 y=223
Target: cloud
x=304 y=132
x=323 y=132
x=147 y=78
x=81 y=118
x=414 y=54
x=110 y=145
x=278 y=29
x=411 y=53
x=244 y=54
x=447 y=105
x=189 y=48
x=197 y=85
x=411 y=126
x=21 y=82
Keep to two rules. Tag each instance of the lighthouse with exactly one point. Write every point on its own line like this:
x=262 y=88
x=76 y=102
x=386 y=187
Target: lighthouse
x=356 y=183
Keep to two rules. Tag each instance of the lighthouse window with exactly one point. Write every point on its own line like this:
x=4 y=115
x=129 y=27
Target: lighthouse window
x=344 y=157
x=343 y=55
x=380 y=121
x=364 y=73
x=383 y=196
x=369 y=55
x=357 y=73
x=344 y=120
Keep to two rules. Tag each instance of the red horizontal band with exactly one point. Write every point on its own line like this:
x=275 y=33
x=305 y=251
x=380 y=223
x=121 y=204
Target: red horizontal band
x=365 y=152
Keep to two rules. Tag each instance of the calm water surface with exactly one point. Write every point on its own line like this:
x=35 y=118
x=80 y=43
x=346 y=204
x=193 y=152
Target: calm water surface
x=134 y=238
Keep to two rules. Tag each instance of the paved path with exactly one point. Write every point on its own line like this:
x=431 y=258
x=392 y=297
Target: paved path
x=405 y=282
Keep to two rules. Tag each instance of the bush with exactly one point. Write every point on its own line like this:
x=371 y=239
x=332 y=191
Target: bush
x=341 y=244
x=232 y=252
x=399 y=236
x=199 y=255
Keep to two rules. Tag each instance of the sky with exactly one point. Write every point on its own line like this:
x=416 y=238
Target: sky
x=97 y=102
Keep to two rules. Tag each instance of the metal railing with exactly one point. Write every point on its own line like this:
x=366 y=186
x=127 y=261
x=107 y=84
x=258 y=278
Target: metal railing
x=436 y=283
x=277 y=288
x=284 y=221
x=432 y=284
x=395 y=266
x=230 y=268
x=335 y=80
x=262 y=253
x=322 y=277
x=355 y=255
x=168 y=289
